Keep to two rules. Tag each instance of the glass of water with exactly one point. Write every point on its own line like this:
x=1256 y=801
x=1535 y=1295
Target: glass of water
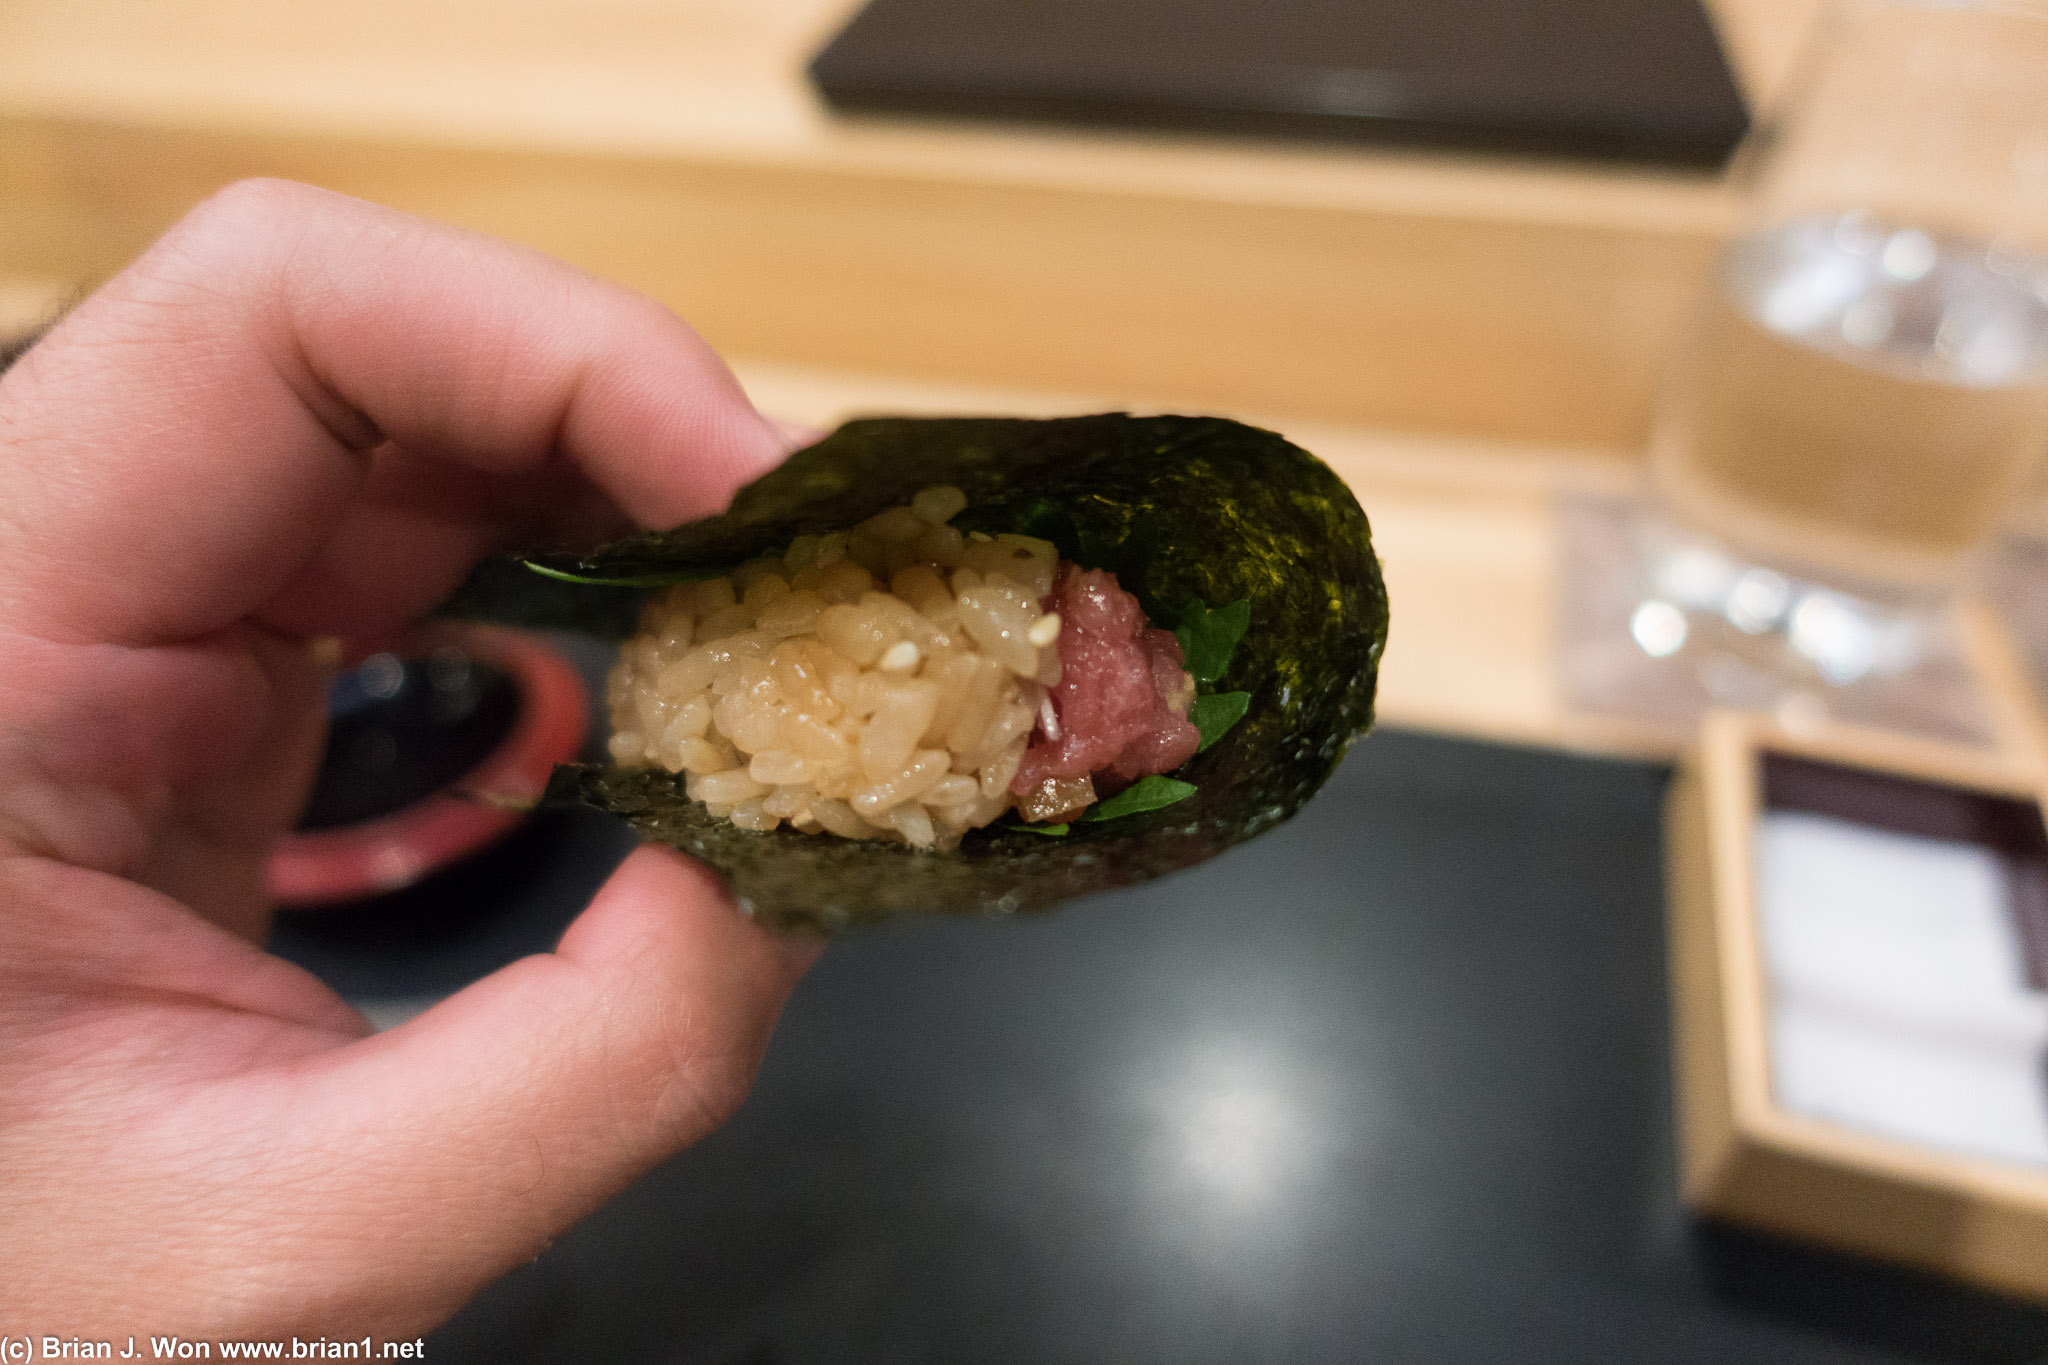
x=1863 y=400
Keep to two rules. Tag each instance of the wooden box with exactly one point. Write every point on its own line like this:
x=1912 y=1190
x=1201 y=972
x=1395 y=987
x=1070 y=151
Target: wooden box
x=1744 y=1156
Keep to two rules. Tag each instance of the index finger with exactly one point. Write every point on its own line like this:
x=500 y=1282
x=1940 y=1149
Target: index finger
x=185 y=445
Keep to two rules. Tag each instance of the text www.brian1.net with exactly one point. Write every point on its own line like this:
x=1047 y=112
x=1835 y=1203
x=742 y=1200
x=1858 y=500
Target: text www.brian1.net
x=25 y=1348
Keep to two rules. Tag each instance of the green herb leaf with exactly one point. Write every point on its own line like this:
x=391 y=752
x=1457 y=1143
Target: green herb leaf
x=1214 y=714
x=1126 y=547
x=1129 y=557
x=1147 y=793
x=1209 y=638
x=659 y=579
x=1046 y=520
x=1049 y=831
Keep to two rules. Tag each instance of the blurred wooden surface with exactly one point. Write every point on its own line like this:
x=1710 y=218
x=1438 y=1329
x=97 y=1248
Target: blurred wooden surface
x=1455 y=334
x=675 y=144
x=1464 y=531
x=1741 y=1156
x=27 y=302
x=1465 y=528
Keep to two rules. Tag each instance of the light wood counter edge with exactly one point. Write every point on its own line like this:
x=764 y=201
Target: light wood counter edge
x=1740 y=1156
x=724 y=80
x=28 y=302
x=677 y=147
x=1465 y=528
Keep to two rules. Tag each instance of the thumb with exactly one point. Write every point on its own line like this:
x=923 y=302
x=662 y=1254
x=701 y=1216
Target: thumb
x=518 y=1105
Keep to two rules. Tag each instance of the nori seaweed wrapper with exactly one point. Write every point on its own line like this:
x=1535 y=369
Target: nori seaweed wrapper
x=1182 y=509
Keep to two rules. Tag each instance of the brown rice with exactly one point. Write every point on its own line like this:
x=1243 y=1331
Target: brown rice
x=877 y=683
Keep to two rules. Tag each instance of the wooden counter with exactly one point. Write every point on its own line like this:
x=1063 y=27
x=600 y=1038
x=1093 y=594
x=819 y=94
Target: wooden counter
x=674 y=144
x=1466 y=530
x=1455 y=334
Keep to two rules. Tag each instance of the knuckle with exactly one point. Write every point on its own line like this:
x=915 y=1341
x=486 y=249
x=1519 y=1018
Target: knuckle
x=700 y=1083
x=695 y=1103
x=258 y=199
x=238 y=225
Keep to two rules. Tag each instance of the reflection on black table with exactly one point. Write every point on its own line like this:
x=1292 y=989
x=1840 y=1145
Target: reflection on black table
x=1390 y=1083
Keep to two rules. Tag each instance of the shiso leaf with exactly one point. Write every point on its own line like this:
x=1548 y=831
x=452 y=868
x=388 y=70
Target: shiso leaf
x=662 y=579
x=1147 y=793
x=1126 y=550
x=1049 y=831
x=1197 y=509
x=1208 y=638
x=1214 y=714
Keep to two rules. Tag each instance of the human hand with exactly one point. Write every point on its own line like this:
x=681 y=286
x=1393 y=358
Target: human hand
x=300 y=416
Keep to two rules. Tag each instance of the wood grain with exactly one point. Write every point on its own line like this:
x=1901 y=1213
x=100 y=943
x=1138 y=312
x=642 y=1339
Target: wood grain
x=677 y=147
x=1744 y=1158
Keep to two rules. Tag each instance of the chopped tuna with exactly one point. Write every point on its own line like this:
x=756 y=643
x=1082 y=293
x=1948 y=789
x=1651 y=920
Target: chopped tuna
x=1121 y=703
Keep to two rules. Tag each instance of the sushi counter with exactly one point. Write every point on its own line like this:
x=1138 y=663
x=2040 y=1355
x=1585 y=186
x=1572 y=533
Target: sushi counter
x=1463 y=337
x=680 y=148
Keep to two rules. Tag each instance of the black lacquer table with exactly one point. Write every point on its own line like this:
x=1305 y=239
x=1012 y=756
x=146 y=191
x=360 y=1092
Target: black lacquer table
x=1392 y=1083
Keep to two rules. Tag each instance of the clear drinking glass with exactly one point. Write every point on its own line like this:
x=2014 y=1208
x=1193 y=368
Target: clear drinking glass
x=1864 y=397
